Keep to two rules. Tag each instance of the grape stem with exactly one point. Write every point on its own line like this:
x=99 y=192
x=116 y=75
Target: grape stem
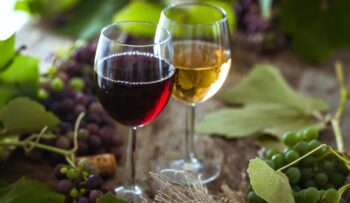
x=33 y=142
x=343 y=189
x=301 y=158
x=335 y=121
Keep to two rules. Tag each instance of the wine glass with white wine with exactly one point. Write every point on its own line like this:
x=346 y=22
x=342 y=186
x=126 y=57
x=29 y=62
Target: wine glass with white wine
x=202 y=60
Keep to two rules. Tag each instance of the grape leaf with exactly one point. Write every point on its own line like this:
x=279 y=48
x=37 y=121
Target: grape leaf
x=90 y=17
x=318 y=29
x=265 y=84
x=256 y=118
x=29 y=191
x=19 y=76
x=270 y=105
x=7 y=51
x=23 y=115
x=272 y=186
x=109 y=198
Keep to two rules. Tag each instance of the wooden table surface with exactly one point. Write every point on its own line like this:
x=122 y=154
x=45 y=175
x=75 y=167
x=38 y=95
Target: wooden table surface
x=164 y=136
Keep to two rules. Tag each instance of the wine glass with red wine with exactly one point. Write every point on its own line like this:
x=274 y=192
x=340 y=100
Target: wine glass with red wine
x=133 y=81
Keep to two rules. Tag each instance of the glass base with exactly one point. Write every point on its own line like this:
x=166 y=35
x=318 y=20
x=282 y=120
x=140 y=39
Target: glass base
x=133 y=194
x=205 y=170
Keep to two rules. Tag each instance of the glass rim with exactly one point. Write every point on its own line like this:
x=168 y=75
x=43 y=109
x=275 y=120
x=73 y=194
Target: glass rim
x=218 y=8
x=156 y=26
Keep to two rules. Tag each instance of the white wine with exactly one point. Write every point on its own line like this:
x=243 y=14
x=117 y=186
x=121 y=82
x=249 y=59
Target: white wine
x=201 y=70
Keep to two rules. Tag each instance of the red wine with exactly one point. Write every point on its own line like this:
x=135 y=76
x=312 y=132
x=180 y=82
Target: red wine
x=133 y=87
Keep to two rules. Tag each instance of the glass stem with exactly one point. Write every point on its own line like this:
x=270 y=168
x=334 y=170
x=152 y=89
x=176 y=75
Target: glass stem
x=130 y=159
x=189 y=139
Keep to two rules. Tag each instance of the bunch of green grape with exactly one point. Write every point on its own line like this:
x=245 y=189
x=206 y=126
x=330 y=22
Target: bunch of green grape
x=313 y=179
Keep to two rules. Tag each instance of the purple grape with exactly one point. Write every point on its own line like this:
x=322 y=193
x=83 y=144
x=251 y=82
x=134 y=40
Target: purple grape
x=79 y=109
x=94 y=195
x=36 y=155
x=83 y=200
x=64 y=186
x=116 y=152
x=94 y=141
x=106 y=139
x=83 y=134
x=94 y=182
x=94 y=118
x=73 y=68
x=82 y=148
x=62 y=142
x=96 y=108
x=81 y=99
x=82 y=55
x=92 y=128
x=68 y=105
x=64 y=76
x=117 y=141
x=58 y=173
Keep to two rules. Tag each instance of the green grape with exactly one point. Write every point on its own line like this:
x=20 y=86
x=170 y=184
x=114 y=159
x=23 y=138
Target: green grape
x=331 y=196
x=310 y=183
x=72 y=174
x=328 y=186
x=321 y=179
x=308 y=161
x=291 y=156
x=301 y=147
x=271 y=152
x=328 y=167
x=342 y=201
x=270 y=163
x=290 y=139
x=52 y=71
x=287 y=149
x=311 y=195
x=64 y=170
x=278 y=160
x=300 y=136
x=74 y=193
x=310 y=134
x=296 y=188
x=337 y=179
x=293 y=174
x=254 y=198
x=77 y=84
x=342 y=168
x=42 y=94
x=313 y=144
x=306 y=174
x=57 y=84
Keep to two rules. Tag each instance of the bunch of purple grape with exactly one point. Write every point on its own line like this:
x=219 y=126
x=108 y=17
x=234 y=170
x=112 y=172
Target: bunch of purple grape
x=79 y=184
x=67 y=92
x=260 y=30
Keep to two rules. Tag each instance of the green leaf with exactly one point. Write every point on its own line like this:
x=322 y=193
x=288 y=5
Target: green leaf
x=20 y=78
x=267 y=141
x=270 y=106
x=23 y=115
x=109 y=198
x=318 y=29
x=3 y=183
x=29 y=191
x=256 y=118
x=272 y=186
x=90 y=17
x=265 y=84
x=7 y=51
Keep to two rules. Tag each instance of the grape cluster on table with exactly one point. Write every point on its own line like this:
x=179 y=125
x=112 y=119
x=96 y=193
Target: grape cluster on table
x=314 y=179
x=67 y=90
x=79 y=184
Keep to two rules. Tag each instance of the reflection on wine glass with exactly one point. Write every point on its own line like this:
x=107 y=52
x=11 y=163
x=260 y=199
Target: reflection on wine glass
x=202 y=60
x=133 y=81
